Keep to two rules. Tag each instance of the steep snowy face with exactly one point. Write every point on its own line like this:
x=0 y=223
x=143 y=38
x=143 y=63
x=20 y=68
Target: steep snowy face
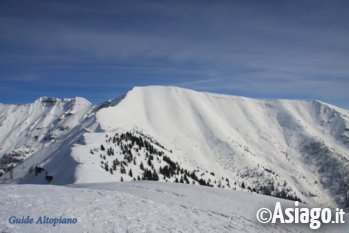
x=277 y=147
x=28 y=128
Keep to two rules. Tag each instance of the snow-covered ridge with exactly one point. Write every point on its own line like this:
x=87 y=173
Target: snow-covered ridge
x=32 y=127
x=275 y=147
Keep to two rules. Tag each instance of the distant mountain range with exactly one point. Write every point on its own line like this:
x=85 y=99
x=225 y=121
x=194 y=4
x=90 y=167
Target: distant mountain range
x=292 y=149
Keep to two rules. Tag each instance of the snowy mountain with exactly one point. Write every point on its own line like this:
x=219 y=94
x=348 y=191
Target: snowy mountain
x=286 y=148
x=31 y=128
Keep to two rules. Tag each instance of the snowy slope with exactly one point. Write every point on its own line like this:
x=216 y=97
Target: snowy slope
x=253 y=141
x=142 y=207
x=43 y=121
x=287 y=148
x=33 y=132
x=46 y=120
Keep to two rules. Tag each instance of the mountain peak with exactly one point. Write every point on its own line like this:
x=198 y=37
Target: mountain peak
x=170 y=90
x=53 y=100
x=215 y=139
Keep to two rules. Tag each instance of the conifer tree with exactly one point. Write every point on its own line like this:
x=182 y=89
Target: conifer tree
x=130 y=173
x=155 y=176
x=243 y=185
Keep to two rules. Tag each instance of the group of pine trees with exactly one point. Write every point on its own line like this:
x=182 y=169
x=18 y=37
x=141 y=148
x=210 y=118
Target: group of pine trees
x=129 y=143
x=172 y=170
x=270 y=190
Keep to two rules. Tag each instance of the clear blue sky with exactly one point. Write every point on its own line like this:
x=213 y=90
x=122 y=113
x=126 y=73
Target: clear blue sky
x=100 y=49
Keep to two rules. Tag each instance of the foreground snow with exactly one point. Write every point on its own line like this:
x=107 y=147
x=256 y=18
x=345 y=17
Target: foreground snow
x=141 y=207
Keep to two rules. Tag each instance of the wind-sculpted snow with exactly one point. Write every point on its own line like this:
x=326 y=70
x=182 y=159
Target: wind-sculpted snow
x=141 y=207
x=272 y=147
x=255 y=143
